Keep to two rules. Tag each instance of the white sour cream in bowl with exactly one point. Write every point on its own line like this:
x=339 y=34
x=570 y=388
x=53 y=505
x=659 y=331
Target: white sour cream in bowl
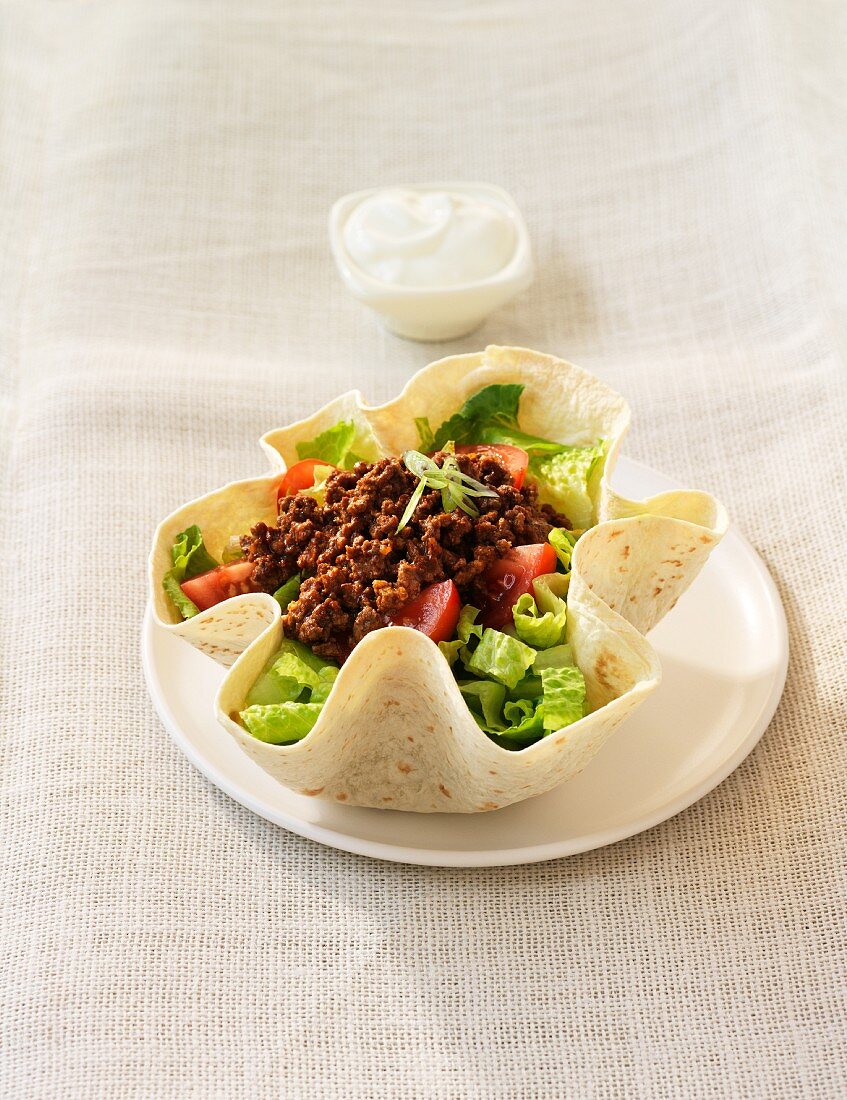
x=432 y=261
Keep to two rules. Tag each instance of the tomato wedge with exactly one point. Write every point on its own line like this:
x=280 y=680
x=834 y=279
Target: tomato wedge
x=299 y=476
x=508 y=579
x=434 y=612
x=218 y=584
x=515 y=459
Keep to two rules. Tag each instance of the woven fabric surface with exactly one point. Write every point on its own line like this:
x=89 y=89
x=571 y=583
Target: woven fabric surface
x=166 y=171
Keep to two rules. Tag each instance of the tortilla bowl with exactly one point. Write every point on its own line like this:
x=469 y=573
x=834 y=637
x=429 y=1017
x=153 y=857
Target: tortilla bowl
x=395 y=732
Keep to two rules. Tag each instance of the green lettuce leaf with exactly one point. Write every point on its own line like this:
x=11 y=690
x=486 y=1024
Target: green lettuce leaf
x=190 y=558
x=285 y=701
x=281 y=723
x=466 y=628
x=335 y=446
x=318 y=486
x=518 y=722
x=331 y=446
x=563 y=542
x=540 y=630
x=564 y=481
x=287 y=593
x=534 y=445
x=491 y=416
x=488 y=416
x=190 y=555
x=294 y=674
x=564 y=696
x=558 y=656
x=530 y=686
x=499 y=657
x=426 y=440
x=232 y=550
x=493 y=406
x=551 y=590
x=326 y=678
x=485 y=701
x=187 y=608
x=525 y=718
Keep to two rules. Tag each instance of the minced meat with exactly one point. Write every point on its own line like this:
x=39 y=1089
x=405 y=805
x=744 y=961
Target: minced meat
x=358 y=570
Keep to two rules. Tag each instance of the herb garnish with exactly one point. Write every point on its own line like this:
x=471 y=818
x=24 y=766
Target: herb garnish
x=456 y=488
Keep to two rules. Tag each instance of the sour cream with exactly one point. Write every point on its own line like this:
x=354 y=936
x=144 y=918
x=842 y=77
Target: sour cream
x=432 y=261
x=430 y=238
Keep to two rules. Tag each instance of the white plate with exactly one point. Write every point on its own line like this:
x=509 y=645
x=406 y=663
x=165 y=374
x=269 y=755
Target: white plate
x=724 y=652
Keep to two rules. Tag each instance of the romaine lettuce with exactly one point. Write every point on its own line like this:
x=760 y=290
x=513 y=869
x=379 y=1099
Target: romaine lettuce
x=190 y=558
x=326 y=678
x=466 y=629
x=336 y=445
x=520 y=692
x=294 y=674
x=500 y=657
x=485 y=701
x=563 y=541
x=537 y=629
x=281 y=723
x=488 y=416
x=564 y=481
x=331 y=446
x=558 y=656
x=564 y=696
x=551 y=590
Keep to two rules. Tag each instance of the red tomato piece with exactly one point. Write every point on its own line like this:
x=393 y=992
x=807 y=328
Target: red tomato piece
x=434 y=612
x=508 y=579
x=299 y=476
x=218 y=584
x=515 y=459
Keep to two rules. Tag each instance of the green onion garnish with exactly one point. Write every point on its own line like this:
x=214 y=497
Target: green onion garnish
x=456 y=488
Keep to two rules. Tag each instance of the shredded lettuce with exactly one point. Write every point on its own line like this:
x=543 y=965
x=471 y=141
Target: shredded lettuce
x=318 y=487
x=564 y=696
x=539 y=629
x=563 y=541
x=190 y=558
x=488 y=416
x=492 y=406
x=335 y=446
x=466 y=629
x=331 y=446
x=558 y=656
x=520 y=690
x=485 y=701
x=232 y=550
x=287 y=593
x=285 y=701
x=529 y=687
x=500 y=657
x=564 y=480
x=525 y=720
x=281 y=723
x=425 y=437
x=326 y=678
x=551 y=590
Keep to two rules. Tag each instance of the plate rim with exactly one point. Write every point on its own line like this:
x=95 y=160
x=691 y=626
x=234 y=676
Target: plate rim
x=471 y=857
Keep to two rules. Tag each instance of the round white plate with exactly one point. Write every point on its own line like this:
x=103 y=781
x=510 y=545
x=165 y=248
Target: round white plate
x=724 y=652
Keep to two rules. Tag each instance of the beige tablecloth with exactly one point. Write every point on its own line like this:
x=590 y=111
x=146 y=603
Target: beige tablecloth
x=168 y=294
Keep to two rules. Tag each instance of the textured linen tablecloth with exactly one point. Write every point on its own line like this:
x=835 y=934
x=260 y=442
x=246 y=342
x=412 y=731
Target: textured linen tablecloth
x=168 y=294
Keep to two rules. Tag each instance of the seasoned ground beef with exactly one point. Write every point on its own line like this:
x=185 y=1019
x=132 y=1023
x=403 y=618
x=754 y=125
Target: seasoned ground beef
x=358 y=570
